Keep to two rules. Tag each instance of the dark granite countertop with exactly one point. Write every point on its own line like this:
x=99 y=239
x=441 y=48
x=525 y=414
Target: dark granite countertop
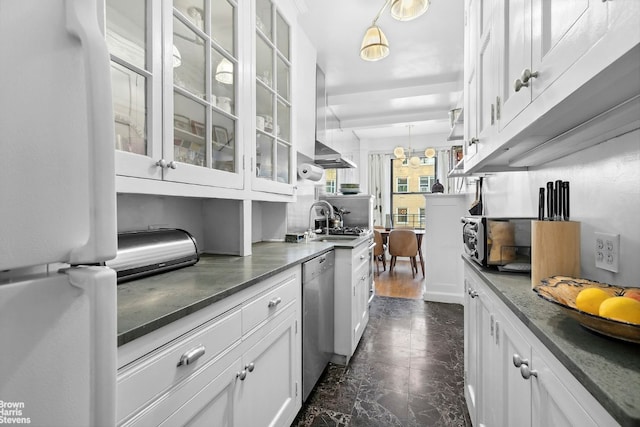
x=147 y=304
x=608 y=368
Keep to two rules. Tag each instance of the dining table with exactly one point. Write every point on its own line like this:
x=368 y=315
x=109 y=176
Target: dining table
x=419 y=232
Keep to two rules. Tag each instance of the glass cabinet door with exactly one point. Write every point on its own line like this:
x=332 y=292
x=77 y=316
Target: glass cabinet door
x=273 y=102
x=204 y=59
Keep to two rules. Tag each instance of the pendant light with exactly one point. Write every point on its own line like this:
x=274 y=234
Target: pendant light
x=224 y=72
x=374 y=44
x=177 y=58
x=430 y=153
x=406 y=10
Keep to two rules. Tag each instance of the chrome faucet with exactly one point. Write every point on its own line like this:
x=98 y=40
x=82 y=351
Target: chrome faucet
x=328 y=212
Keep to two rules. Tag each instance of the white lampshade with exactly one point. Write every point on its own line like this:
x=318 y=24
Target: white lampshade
x=374 y=44
x=177 y=58
x=224 y=72
x=414 y=161
x=430 y=153
x=406 y=10
x=398 y=152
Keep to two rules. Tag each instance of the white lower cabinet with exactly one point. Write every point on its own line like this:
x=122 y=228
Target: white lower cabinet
x=242 y=368
x=511 y=378
x=351 y=308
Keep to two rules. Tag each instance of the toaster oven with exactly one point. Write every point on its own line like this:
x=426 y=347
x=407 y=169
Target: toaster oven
x=498 y=241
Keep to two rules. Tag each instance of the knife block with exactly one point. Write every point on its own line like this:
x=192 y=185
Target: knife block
x=555 y=249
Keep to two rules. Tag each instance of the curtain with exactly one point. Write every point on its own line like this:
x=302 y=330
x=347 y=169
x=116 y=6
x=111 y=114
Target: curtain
x=379 y=185
x=443 y=169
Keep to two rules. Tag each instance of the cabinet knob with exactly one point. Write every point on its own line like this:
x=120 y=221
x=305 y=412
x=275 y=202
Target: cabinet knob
x=191 y=356
x=527 y=75
x=172 y=165
x=275 y=302
x=519 y=84
x=527 y=372
x=474 y=141
x=518 y=360
x=473 y=293
x=242 y=375
x=162 y=163
x=250 y=367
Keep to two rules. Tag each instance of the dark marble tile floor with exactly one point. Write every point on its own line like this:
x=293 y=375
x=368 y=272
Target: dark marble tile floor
x=407 y=371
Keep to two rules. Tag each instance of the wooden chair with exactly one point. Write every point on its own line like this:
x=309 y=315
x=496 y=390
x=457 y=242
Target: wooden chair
x=403 y=243
x=379 y=252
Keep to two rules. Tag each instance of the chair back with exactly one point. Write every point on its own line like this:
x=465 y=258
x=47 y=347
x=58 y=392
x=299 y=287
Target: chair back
x=379 y=248
x=403 y=243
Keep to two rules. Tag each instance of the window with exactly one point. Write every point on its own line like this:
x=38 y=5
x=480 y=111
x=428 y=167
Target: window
x=401 y=216
x=402 y=185
x=408 y=186
x=331 y=181
x=426 y=182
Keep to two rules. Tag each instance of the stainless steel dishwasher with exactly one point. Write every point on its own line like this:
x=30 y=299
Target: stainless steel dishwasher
x=317 y=318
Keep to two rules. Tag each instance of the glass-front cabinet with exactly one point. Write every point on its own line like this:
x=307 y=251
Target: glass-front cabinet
x=273 y=152
x=174 y=79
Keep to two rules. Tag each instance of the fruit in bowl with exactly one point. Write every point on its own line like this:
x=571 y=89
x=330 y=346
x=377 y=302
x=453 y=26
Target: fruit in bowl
x=590 y=299
x=622 y=308
x=632 y=293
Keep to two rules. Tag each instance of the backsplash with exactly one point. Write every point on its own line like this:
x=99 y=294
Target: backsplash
x=605 y=197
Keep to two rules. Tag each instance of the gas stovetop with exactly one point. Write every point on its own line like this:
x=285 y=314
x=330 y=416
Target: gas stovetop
x=348 y=231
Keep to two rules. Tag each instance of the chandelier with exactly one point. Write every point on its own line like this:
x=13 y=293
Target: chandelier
x=402 y=153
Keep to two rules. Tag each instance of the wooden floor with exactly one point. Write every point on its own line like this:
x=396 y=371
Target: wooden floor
x=399 y=284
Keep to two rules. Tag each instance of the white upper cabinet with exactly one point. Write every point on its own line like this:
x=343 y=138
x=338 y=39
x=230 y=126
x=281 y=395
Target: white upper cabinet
x=304 y=94
x=538 y=69
x=273 y=162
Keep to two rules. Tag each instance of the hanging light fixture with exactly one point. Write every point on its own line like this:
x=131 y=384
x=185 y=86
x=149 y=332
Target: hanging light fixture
x=400 y=153
x=406 y=10
x=430 y=153
x=224 y=72
x=375 y=45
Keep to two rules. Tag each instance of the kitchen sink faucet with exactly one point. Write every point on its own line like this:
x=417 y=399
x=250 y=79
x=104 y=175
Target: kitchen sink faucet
x=328 y=212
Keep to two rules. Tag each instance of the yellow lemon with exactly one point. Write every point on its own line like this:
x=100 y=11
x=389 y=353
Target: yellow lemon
x=621 y=308
x=589 y=300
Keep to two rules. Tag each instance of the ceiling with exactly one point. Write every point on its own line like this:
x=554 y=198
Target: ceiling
x=416 y=84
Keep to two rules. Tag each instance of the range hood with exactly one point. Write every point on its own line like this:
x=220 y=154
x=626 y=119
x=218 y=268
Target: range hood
x=329 y=158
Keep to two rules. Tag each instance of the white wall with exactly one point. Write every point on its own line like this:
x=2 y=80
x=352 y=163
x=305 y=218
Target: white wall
x=605 y=196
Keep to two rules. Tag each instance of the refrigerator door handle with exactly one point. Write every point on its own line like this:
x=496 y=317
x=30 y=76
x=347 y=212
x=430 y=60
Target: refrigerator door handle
x=82 y=22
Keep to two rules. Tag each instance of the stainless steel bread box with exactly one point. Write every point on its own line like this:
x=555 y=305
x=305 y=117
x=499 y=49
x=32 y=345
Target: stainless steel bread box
x=145 y=253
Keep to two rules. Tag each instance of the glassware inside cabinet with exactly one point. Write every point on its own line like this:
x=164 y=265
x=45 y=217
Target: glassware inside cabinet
x=284 y=79
x=189 y=59
x=193 y=10
x=264 y=108
x=264 y=62
x=222 y=82
x=283 y=127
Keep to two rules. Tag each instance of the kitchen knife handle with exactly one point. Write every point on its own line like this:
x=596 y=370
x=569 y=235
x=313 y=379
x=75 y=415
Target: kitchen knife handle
x=550 y=211
x=565 y=190
x=541 y=204
x=558 y=201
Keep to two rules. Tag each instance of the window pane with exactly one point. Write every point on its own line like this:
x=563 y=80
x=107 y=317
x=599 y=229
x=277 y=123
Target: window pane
x=129 y=107
x=283 y=79
x=283 y=156
x=189 y=55
x=193 y=10
x=264 y=62
x=283 y=130
x=264 y=156
x=222 y=24
x=282 y=29
x=126 y=30
x=189 y=131
x=263 y=17
x=223 y=143
x=264 y=107
x=223 y=83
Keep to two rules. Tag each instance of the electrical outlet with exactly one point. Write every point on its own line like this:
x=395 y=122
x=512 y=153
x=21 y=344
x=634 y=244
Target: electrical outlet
x=607 y=247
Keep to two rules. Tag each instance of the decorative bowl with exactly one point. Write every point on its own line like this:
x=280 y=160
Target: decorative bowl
x=350 y=188
x=562 y=291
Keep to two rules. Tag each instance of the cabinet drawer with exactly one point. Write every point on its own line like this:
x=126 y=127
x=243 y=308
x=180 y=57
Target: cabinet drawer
x=361 y=255
x=269 y=304
x=148 y=377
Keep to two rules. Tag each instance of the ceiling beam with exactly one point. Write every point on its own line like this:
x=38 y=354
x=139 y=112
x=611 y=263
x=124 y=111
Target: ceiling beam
x=399 y=119
x=367 y=96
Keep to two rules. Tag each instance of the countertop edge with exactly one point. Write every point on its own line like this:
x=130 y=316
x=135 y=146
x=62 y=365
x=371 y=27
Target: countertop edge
x=610 y=405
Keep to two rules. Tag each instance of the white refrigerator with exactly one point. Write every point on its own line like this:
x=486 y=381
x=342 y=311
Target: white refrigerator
x=57 y=216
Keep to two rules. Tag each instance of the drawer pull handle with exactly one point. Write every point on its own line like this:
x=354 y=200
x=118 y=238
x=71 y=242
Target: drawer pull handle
x=519 y=361
x=191 y=356
x=527 y=372
x=242 y=375
x=275 y=302
x=473 y=293
x=250 y=367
